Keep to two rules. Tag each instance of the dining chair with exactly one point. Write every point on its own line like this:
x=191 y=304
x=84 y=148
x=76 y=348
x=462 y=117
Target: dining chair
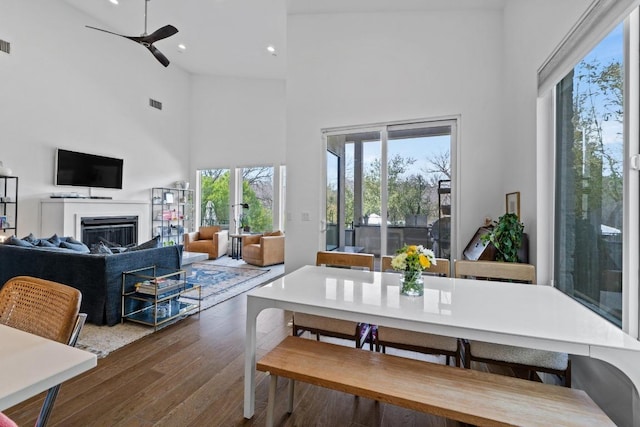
x=337 y=328
x=45 y=308
x=419 y=341
x=517 y=358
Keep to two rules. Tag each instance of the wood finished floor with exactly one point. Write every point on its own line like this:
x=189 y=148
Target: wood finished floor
x=191 y=374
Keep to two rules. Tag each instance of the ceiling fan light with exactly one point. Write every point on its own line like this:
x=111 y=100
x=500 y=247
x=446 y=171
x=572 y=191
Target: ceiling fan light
x=113 y=2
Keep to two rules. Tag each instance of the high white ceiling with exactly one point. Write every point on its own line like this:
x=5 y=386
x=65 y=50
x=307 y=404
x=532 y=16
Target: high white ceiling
x=229 y=37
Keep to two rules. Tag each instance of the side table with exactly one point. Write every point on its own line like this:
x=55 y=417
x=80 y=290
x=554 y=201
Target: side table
x=236 y=245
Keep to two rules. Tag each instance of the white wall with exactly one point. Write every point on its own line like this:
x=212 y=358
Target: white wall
x=236 y=122
x=532 y=31
x=67 y=86
x=359 y=68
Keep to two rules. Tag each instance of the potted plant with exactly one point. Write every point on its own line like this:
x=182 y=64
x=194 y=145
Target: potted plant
x=506 y=236
x=244 y=223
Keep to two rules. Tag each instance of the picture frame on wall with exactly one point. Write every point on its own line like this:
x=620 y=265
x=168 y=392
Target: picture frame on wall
x=513 y=203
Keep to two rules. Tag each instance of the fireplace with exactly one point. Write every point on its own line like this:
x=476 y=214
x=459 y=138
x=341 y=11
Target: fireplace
x=121 y=230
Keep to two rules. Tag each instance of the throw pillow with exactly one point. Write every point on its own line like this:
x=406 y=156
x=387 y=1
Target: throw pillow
x=13 y=240
x=55 y=240
x=153 y=243
x=101 y=248
x=31 y=239
x=73 y=241
x=46 y=244
x=108 y=243
x=274 y=233
x=78 y=247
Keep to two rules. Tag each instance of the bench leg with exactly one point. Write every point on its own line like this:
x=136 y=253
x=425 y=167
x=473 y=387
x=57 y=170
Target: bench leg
x=273 y=383
x=290 y=403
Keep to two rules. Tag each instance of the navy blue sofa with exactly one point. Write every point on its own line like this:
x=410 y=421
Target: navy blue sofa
x=97 y=276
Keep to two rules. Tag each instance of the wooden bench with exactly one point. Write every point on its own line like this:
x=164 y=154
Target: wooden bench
x=464 y=395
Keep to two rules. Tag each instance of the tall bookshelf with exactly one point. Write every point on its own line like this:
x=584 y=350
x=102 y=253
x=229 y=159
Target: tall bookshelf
x=172 y=214
x=8 y=205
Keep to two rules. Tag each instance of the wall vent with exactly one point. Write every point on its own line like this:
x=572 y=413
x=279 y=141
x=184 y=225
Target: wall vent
x=155 y=104
x=5 y=46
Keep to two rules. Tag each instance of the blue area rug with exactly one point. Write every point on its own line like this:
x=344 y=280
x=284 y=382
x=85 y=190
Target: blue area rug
x=216 y=280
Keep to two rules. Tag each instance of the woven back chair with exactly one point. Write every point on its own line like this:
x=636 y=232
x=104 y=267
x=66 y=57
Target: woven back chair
x=519 y=359
x=45 y=308
x=494 y=270
x=418 y=341
x=345 y=259
x=326 y=326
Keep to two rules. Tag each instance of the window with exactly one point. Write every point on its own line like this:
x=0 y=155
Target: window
x=223 y=192
x=389 y=186
x=258 y=193
x=589 y=192
x=214 y=197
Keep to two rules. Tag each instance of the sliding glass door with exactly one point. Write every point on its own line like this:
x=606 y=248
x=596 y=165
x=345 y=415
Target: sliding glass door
x=390 y=186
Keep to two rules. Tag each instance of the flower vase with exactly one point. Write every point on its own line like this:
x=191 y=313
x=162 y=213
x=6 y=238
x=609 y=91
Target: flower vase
x=412 y=284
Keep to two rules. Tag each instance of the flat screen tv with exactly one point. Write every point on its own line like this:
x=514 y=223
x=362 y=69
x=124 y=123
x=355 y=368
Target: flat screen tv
x=87 y=170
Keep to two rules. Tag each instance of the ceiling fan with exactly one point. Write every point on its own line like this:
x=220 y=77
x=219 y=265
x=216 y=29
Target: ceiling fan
x=147 y=40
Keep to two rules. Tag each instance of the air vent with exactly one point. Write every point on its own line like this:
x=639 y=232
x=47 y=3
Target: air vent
x=5 y=46
x=155 y=104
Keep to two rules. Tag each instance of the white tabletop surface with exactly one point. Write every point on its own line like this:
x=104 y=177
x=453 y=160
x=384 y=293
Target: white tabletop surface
x=533 y=316
x=30 y=364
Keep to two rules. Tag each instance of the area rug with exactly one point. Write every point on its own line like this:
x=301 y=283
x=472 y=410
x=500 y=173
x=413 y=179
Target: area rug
x=220 y=282
x=102 y=340
x=240 y=277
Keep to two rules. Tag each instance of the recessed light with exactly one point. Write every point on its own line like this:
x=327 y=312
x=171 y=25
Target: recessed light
x=272 y=50
x=114 y=1
x=182 y=47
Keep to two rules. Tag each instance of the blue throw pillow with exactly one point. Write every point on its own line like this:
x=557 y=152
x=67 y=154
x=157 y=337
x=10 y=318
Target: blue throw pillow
x=31 y=239
x=13 y=240
x=72 y=240
x=81 y=247
x=46 y=244
x=55 y=240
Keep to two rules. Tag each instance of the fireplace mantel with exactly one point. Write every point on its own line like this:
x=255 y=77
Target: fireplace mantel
x=63 y=216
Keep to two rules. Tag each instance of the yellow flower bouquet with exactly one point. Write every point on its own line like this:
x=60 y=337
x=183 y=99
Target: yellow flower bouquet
x=411 y=260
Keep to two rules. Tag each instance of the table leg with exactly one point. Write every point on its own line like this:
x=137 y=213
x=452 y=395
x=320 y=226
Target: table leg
x=254 y=307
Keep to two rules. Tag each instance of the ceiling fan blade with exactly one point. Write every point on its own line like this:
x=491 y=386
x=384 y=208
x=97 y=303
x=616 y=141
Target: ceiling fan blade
x=105 y=31
x=159 y=34
x=159 y=56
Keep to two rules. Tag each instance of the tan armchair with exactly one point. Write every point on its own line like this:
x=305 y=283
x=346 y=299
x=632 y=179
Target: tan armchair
x=263 y=249
x=209 y=240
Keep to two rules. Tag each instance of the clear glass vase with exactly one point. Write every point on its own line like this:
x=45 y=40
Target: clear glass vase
x=411 y=283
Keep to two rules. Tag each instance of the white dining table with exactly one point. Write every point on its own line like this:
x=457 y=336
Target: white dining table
x=30 y=364
x=532 y=316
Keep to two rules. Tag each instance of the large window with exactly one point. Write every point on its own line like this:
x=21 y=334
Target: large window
x=214 y=197
x=258 y=193
x=389 y=186
x=251 y=198
x=589 y=196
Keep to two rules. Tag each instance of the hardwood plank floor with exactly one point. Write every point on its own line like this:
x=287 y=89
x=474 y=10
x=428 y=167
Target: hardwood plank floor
x=191 y=374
